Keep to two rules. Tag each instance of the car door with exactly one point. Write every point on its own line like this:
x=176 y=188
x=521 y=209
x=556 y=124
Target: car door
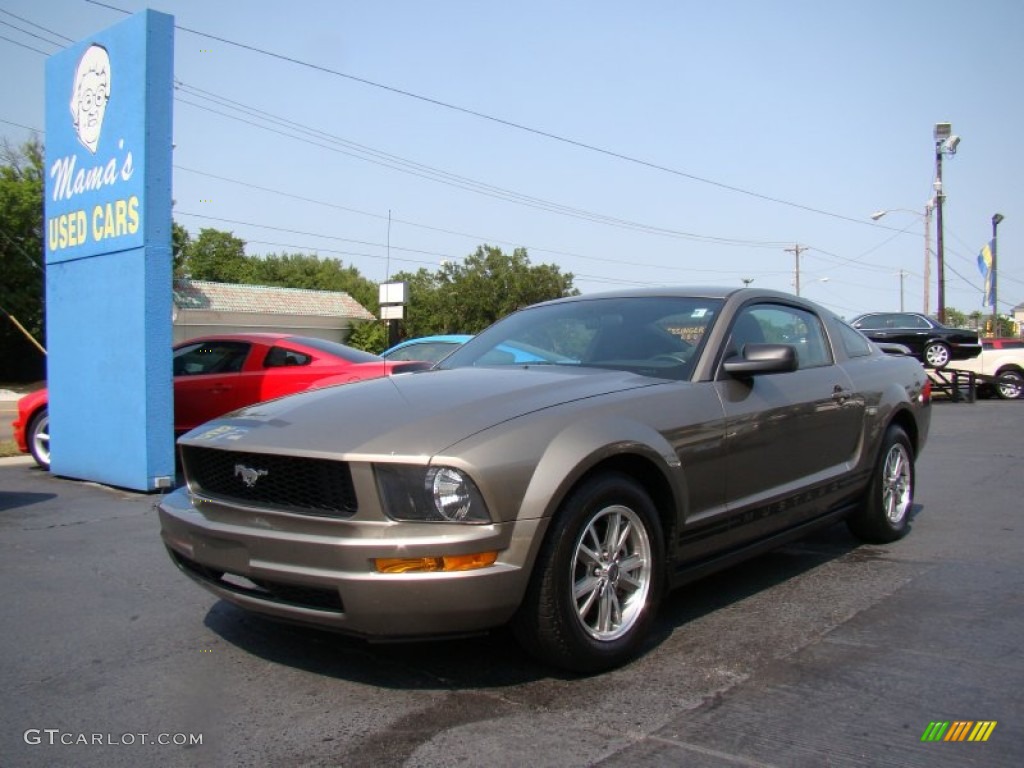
x=208 y=380
x=788 y=435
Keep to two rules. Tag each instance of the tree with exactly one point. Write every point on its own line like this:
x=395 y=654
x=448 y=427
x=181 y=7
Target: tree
x=22 y=292
x=369 y=336
x=301 y=270
x=216 y=256
x=955 y=318
x=181 y=242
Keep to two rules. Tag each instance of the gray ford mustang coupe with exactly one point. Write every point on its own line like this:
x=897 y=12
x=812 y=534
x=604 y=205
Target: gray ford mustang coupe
x=660 y=434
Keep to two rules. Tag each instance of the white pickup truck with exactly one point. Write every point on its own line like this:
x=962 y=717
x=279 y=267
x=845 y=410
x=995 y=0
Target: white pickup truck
x=1001 y=358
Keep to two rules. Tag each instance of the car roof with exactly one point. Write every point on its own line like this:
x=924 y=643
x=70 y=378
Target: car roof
x=441 y=338
x=454 y=338
x=711 y=292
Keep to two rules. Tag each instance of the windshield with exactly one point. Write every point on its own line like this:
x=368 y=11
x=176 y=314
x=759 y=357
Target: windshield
x=653 y=336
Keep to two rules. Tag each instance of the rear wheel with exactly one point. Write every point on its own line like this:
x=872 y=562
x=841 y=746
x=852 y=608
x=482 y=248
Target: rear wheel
x=39 y=438
x=883 y=517
x=936 y=355
x=598 y=578
x=1010 y=385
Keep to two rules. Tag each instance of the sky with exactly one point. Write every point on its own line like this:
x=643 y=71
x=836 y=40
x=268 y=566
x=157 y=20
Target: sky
x=631 y=144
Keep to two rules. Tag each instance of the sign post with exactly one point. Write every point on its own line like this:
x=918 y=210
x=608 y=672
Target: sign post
x=108 y=255
x=392 y=307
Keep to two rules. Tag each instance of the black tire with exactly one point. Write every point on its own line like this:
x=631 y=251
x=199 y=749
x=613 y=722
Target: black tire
x=38 y=438
x=1010 y=385
x=936 y=355
x=593 y=596
x=885 y=513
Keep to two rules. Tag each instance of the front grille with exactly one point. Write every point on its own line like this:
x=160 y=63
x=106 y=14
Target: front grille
x=289 y=483
x=319 y=599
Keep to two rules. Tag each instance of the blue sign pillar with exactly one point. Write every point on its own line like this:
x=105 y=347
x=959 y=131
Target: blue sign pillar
x=108 y=255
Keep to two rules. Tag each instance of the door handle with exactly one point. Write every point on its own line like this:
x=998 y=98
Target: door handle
x=840 y=395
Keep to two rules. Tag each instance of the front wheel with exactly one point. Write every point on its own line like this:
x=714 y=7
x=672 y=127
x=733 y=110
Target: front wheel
x=937 y=355
x=1010 y=385
x=38 y=438
x=884 y=513
x=598 y=578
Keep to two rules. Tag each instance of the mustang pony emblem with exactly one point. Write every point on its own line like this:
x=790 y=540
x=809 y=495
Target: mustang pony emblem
x=249 y=475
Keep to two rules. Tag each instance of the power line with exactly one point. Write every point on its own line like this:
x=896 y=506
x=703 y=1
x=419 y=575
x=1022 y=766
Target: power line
x=23 y=45
x=540 y=203
x=20 y=125
x=37 y=26
x=504 y=122
x=403 y=165
x=27 y=32
x=526 y=200
x=309 y=234
x=435 y=253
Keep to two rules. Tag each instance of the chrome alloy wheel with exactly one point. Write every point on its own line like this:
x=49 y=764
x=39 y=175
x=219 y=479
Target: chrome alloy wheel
x=40 y=439
x=1011 y=385
x=896 y=490
x=937 y=355
x=611 y=572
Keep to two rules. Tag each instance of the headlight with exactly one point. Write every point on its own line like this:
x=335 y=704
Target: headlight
x=430 y=495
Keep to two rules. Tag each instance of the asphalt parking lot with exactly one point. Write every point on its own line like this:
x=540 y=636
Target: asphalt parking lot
x=825 y=653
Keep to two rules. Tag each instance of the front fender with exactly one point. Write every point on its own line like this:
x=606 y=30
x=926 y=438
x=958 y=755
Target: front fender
x=575 y=451
x=527 y=466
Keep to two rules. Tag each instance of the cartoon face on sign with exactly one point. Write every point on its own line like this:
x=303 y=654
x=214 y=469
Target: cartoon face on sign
x=90 y=94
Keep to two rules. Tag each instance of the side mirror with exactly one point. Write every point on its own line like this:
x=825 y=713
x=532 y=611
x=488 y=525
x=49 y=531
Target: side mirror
x=757 y=359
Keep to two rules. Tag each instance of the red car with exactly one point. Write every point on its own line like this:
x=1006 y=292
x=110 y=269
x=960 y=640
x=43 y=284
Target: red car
x=214 y=375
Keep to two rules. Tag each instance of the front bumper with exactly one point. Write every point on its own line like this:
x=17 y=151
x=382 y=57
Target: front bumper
x=321 y=572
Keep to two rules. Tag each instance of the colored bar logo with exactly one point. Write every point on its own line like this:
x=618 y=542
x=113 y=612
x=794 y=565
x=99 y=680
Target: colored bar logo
x=959 y=730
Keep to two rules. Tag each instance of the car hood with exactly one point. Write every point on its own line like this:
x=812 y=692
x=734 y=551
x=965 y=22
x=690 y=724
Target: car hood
x=409 y=415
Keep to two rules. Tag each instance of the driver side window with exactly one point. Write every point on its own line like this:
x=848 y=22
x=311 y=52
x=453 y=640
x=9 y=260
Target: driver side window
x=210 y=357
x=777 y=324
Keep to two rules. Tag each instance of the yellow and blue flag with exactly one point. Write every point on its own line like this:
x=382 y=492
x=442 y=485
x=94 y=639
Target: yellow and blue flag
x=985 y=267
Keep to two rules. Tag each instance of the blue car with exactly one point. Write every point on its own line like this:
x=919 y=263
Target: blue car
x=435 y=348
x=428 y=348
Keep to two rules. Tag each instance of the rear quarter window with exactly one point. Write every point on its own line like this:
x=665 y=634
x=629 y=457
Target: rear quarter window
x=853 y=342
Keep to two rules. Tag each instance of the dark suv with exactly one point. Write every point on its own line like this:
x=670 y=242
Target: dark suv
x=931 y=342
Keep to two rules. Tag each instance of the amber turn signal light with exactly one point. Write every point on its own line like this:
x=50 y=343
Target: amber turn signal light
x=435 y=564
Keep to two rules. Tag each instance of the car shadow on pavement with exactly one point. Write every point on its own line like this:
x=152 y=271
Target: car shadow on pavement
x=487 y=660
x=760 y=574
x=494 y=659
x=10 y=500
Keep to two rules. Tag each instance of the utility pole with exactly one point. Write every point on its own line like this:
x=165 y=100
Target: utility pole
x=940 y=254
x=996 y=218
x=796 y=250
x=928 y=208
x=902 y=275
x=946 y=143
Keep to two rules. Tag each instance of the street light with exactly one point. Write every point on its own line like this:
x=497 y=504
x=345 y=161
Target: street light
x=946 y=143
x=996 y=218
x=927 y=216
